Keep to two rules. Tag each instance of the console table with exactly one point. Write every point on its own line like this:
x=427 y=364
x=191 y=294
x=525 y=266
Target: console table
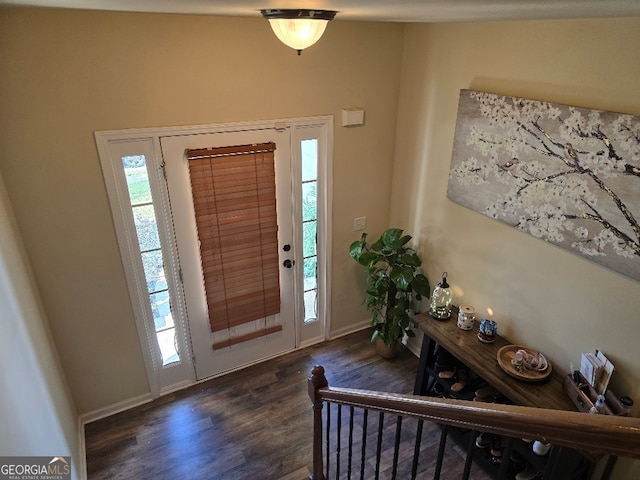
x=481 y=358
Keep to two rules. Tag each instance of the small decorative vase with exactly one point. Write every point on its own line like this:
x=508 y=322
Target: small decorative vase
x=466 y=317
x=487 y=331
x=385 y=351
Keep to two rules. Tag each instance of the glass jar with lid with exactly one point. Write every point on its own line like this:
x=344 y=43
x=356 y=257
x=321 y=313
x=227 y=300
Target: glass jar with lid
x=440 y=305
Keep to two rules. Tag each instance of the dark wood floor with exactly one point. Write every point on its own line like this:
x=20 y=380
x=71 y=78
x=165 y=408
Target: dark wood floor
x=255 y=423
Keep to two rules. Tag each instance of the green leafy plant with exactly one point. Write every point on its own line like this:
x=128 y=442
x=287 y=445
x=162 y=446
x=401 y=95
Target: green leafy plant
x=393 y=281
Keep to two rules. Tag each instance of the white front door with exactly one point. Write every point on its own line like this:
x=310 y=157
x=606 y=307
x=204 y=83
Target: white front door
x=210 y=362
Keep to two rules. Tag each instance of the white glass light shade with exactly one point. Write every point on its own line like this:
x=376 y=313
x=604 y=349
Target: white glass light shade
x=298 y=33
x=298 y=29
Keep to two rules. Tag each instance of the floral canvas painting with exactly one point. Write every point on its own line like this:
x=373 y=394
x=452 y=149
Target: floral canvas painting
x=566 y=175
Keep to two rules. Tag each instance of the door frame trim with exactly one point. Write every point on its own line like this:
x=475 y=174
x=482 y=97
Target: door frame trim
x=324 y=216
x=105 y=138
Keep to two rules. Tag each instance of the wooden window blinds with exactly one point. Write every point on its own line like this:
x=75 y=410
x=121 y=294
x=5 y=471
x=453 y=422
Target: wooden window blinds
x=234 y=200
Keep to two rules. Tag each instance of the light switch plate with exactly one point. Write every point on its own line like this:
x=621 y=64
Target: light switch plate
x=359 y=223
x=352 y=117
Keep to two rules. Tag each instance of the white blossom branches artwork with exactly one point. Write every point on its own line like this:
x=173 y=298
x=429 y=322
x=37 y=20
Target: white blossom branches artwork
x=567 y=175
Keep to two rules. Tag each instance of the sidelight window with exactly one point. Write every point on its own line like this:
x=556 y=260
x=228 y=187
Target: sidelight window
x=310 y=227
x=146 y=226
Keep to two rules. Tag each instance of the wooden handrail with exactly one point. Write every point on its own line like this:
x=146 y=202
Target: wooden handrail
x=607 y=434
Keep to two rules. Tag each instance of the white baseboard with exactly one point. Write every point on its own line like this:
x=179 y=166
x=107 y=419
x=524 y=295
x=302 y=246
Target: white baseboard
x=115 y=408
x=309 y=343
x=81 y=463
x=349 y=329
x=176 y=387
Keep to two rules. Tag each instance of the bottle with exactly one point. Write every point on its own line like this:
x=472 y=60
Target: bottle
x=440 y=306
x=599 y=405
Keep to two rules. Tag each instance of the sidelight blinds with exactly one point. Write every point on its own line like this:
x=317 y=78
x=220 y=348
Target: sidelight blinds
x=234 y=200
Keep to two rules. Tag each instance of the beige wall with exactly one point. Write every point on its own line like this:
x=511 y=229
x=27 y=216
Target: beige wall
x=68 y=73
x=543 y=297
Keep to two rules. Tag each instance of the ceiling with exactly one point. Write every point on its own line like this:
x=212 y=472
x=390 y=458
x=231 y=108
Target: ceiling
x=375 y=10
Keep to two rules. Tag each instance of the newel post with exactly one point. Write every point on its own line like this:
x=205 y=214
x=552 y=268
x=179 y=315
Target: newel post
x=316 y=381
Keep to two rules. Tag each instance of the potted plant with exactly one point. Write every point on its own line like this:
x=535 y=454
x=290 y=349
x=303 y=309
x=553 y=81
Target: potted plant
x=393 y=282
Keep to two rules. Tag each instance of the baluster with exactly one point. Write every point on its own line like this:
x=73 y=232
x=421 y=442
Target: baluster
x=396 y=448
x=416 y=450
x=350 y=441
x=506 y=455
x=328 y=440
x=379 y=447
x=469 y=460
x=443 y=443
x=338 y=440
x=365 y=417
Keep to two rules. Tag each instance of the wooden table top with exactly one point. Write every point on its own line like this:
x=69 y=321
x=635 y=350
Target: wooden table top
x=482 y=359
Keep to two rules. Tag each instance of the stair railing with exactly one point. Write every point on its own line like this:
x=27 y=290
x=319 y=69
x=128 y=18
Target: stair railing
x=596 y=434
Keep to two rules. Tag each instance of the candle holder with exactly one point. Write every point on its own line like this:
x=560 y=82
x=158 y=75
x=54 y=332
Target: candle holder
x=440 y=306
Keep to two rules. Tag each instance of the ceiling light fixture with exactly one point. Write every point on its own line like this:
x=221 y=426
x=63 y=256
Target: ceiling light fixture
x=298 y=29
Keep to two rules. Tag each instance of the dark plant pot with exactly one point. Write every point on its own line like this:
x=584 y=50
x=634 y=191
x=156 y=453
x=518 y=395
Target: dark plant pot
x=385 y=351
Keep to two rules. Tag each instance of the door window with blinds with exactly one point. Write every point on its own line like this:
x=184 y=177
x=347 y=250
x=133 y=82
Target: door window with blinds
x=234 y=200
